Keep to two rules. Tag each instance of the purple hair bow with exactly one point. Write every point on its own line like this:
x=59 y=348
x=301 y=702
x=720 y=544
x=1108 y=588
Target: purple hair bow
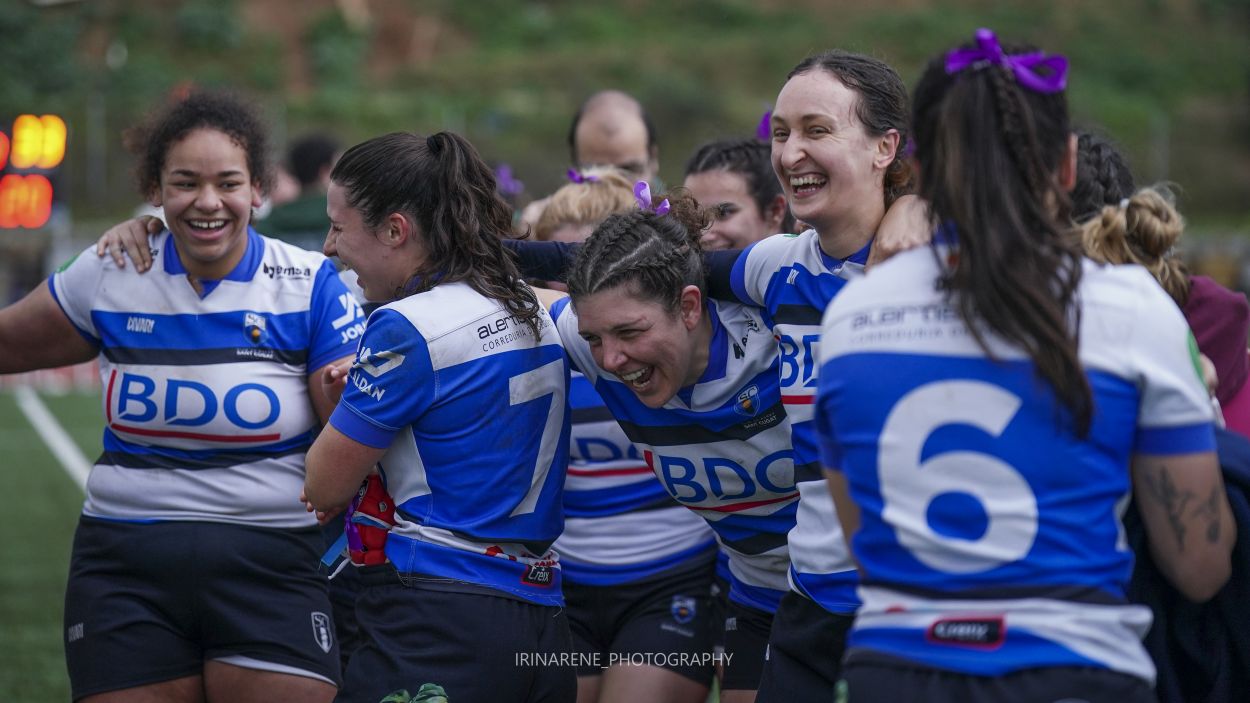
x=578 y=177
x=505 y=183
x=642 y=193
x=1022 y=66
x=764 y=130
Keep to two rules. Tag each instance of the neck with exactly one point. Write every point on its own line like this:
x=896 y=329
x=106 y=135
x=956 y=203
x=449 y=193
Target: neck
x=845 y=236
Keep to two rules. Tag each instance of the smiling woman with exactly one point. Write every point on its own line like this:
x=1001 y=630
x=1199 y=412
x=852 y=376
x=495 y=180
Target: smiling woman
x=208 y=365
x=458 y=398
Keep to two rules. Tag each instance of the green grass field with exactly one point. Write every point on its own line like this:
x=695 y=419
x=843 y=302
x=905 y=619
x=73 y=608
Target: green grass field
x=43 y=505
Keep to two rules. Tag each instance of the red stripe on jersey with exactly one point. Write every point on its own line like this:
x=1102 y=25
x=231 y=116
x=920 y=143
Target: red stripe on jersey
x=798 y=399
x=746 y=506
x=629 y=471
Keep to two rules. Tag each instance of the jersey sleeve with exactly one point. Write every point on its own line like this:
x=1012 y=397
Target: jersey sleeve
x=576 y=348
x=391 y=383
x=333 y=311
x=754 y=270
x=1175 y=413
x=74 y=288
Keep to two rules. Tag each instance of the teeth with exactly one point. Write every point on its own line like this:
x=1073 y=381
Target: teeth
x=631 y=377
x=207 y=224
x=806 y=181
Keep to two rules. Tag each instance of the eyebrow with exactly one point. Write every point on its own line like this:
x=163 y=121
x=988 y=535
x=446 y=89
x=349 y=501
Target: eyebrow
x=220 y=174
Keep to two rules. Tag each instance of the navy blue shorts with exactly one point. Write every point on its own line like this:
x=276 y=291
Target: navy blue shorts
x=148 y=603
x=746 y=640
x=663 y=620
x=868 y=682
x=480 y=645
x=804 y=661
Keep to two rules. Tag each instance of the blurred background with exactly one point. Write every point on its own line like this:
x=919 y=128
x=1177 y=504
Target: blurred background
x=1168 y=79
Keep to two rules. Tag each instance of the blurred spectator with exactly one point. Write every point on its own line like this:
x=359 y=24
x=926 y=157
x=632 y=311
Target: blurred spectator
x=302 y=221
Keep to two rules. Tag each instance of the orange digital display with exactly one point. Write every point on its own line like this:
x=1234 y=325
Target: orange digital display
x=33 y=148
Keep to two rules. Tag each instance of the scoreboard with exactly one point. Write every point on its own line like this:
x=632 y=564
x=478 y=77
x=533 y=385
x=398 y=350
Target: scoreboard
x=31 y=150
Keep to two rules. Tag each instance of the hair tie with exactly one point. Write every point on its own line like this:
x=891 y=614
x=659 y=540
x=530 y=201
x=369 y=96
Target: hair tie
x=432 y=144
x=642 y=193
x=1123 y=203
x=1024 y=67
x=579 y=178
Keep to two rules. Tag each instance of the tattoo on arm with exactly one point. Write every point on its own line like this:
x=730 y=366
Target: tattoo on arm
x=1180 y=505
x=1160 y=487
x=1209 y=510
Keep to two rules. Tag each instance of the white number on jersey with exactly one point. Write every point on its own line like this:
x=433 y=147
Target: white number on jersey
x=546 y=380
x=909 y=486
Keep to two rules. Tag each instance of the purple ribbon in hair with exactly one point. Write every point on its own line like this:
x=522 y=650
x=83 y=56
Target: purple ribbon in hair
x=1022 y=66
x=579 y=178
x=642 y=193
x=505 y=183
x=764 y=130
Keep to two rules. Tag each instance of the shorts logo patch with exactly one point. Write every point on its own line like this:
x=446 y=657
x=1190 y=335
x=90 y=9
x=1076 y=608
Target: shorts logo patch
x=683 y=609
x=981 y=633
x=539 y=575
x=322 y=632
x=74 y=632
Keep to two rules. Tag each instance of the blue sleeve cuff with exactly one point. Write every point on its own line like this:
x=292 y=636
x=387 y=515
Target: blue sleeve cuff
x=1168 y=441
x=353 y=425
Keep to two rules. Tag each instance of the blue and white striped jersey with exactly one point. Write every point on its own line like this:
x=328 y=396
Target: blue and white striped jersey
x=792 y=280
x=472 y=410
x=620 y=525
x=206 y=396
x=720 y=447
x=990 y=534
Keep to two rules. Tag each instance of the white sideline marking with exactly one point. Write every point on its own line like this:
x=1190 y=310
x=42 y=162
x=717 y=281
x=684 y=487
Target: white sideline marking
x=53 y=435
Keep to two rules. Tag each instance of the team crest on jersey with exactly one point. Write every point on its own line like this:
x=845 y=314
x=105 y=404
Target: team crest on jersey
x=322 y=632
x=254 y=327
x=683 y=609
x=748 y=401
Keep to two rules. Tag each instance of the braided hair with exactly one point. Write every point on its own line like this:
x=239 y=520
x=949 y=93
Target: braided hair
x=989 y=151
x=657 y=255
x=1102 y=176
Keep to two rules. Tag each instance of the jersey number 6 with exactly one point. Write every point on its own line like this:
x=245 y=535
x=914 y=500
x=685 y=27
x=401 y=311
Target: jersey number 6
x=909 y=486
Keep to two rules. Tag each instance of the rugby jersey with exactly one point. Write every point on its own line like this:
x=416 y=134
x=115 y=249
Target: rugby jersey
x=990 y=535
x=207 y=414
x=720 y=447
x=792 y=280
x=471 y=408
x=620 y=525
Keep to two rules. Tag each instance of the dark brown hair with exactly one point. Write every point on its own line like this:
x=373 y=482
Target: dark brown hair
x=989 y=153
x=442 y=185
x=657 y=255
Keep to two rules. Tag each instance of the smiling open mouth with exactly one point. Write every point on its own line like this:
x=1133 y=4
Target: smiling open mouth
x=638 y=379
x=803 y=185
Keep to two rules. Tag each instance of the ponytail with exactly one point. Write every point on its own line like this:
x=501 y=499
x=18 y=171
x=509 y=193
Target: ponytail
x=989 y=151
x=442 y=185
